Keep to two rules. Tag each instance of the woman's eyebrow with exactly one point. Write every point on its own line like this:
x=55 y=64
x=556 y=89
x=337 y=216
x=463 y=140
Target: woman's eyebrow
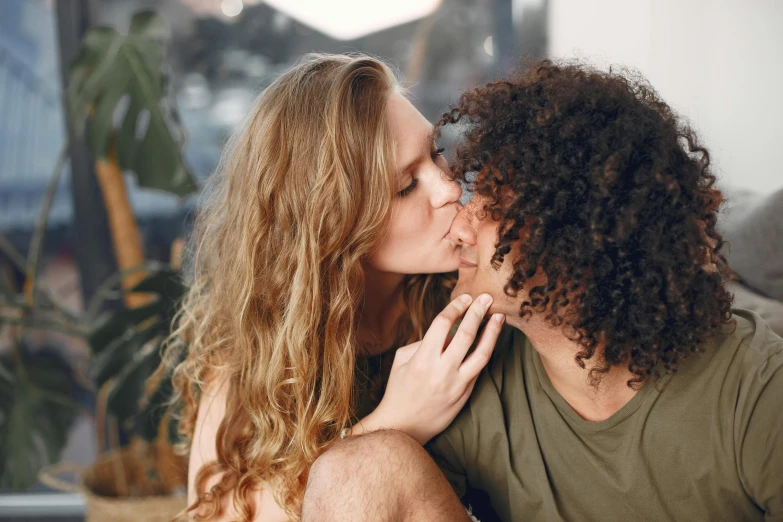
x=431 y=140
x=429 y=146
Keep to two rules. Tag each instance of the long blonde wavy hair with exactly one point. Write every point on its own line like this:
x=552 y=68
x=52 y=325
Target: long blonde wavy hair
x=276 y=285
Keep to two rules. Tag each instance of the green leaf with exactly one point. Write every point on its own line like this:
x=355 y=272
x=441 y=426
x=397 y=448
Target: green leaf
x=121 y=352
x=148 y=24
x=100 y=127
x=167 y=284
x=6 y=294
x=128 y=345
x=109 y=326
x=152 y=411
x=6 y=377
x=99 y=48
x=128 y=388
x=111 y=68
x=35 y=416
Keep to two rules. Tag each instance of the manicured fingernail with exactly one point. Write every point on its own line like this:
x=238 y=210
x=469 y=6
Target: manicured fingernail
x=465 y=298
x=485 y=299
x=498 y=317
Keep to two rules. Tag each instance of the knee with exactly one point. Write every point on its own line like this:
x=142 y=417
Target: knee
x=376 y=459
x=357 y=457
x=370 y=477
x=377 y=445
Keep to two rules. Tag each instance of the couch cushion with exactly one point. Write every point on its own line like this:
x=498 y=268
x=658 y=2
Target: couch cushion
x=753 y=227
x=769 y=309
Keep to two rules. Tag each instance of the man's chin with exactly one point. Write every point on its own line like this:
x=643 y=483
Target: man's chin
x=460 y=289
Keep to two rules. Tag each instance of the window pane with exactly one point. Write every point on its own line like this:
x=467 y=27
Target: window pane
x=32 y=130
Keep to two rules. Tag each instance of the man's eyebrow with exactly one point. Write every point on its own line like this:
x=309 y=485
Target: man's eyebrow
x=429 y=142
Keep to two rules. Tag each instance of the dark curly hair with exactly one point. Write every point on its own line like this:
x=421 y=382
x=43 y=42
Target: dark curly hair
x=613 y=197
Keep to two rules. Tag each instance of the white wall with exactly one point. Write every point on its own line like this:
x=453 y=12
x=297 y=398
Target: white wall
x=717 y=62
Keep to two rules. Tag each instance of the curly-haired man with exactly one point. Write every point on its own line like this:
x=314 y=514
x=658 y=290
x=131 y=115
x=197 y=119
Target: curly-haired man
x=625 y=387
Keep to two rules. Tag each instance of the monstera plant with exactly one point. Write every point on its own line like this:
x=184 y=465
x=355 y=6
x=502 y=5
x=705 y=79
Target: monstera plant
x=38 y=386
x=37 y=395
x=127 y=349
x=118 y=99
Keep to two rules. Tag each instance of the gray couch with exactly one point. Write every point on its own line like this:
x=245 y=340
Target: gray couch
x=752 y=225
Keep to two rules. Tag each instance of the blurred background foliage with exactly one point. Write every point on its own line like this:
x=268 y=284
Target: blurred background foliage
x=116 y=91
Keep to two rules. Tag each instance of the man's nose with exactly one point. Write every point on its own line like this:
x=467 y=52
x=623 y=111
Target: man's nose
x=463 y=228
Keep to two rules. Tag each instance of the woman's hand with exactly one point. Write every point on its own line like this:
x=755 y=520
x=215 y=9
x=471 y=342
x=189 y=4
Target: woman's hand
x=432 y=379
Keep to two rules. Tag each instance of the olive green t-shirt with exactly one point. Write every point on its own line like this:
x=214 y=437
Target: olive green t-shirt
x=703 y=444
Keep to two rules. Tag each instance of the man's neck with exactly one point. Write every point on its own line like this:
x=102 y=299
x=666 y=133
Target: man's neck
x=590 y=400
x=382 y=308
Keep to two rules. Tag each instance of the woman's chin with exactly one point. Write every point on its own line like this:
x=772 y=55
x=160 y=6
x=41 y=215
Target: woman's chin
x=440 y=268
x=438 y=263
x=451 y=266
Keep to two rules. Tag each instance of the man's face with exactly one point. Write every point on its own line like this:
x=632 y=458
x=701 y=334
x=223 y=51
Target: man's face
x=477 y=233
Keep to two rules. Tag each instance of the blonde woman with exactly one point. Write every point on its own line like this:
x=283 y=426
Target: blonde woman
x=322 y=244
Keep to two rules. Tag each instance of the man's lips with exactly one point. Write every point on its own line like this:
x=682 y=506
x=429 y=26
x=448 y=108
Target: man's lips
x=464 y=263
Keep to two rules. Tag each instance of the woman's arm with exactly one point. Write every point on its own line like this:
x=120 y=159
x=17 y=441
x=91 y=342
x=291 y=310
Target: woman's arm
x=429 y=383
x=211 y=410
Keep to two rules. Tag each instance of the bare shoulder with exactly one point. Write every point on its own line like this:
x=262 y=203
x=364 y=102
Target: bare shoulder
x=211 y=411
x=203 y=450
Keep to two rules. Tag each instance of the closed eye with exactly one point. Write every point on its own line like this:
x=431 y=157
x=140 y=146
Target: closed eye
x=407 y=190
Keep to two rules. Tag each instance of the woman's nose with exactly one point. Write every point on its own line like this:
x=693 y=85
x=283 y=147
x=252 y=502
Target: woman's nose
x=446 y=191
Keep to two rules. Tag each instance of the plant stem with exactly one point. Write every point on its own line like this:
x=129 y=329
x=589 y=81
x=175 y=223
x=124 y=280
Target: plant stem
x=108 y=288
x=13 y=254
x=18 y=317
x=36 y=243
x=18 y=259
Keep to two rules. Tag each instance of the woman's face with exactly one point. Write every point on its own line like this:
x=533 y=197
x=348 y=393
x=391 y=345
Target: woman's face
x=426 y=203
